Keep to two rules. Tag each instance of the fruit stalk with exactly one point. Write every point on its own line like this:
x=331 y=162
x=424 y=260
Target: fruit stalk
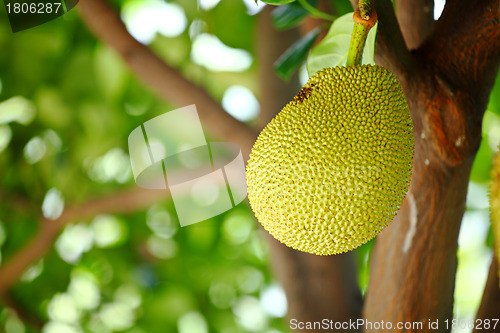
x=364 y=18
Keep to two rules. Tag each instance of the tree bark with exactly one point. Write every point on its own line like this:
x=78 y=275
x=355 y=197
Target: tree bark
x=447 y=83
x=414 y=260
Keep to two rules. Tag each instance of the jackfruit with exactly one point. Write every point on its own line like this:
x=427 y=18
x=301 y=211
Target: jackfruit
x=495 y=206
x=330 y=171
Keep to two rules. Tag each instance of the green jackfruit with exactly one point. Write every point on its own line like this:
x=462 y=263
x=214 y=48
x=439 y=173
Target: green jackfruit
x=330 y=171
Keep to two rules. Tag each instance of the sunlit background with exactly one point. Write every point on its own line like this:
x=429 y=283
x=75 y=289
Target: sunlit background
x=67 y=105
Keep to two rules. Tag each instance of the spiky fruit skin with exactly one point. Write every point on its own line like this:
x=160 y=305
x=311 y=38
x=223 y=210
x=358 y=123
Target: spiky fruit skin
x=330 y=171
x=495 y=205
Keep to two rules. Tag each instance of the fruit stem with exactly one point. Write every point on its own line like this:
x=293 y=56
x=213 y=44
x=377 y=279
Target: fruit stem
x=364 y=18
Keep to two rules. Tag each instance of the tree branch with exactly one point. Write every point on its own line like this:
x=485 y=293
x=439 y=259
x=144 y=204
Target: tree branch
x=490 y=302
x=274 y=92
x=161 y=78
x=465 y=48
x=115 y=203
x=416 y=19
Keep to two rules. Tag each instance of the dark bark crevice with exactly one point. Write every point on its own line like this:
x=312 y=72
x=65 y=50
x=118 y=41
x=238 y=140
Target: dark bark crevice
x=416 y=19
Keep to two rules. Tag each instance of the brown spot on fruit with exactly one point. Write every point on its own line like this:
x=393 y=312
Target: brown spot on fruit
x=302 y=94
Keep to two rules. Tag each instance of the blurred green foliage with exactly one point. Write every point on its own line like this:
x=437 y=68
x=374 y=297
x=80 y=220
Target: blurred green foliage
x=133 y=273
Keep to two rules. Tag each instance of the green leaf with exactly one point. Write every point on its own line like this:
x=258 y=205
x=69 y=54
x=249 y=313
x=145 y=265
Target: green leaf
x=277 y=2
x=291 y=59
x=288 y=16
x=332 y=50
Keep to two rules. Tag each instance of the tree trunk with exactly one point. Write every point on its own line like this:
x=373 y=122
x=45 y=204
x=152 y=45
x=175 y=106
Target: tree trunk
x=447 y=81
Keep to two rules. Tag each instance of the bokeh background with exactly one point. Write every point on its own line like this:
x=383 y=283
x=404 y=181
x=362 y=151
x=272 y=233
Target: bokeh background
x=67 y=106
